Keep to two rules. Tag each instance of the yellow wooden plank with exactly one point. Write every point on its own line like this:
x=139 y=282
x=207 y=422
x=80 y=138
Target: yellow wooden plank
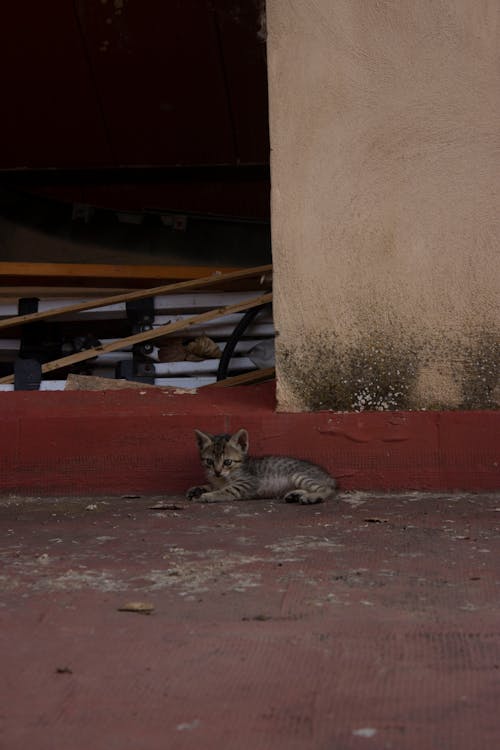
x=11 y=269
x=246 y=378
x=210 y=280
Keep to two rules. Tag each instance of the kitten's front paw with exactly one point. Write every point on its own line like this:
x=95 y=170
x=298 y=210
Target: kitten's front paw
x=194 y=493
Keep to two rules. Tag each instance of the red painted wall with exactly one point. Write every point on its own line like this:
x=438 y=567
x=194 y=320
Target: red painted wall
x=142 y=442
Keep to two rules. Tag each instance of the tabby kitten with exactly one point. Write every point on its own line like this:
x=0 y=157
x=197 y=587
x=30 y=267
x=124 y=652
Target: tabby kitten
x=233 y=475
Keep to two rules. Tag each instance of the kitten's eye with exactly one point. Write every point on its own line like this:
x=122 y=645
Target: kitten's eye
x=227 y=462
x=209 y=462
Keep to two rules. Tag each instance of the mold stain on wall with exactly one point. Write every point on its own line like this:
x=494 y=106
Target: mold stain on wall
x=383 y=372
x=480 y=381
x=371 y=374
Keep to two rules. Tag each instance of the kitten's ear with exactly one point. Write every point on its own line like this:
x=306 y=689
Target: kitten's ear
x=240 y=439
x=203 y=439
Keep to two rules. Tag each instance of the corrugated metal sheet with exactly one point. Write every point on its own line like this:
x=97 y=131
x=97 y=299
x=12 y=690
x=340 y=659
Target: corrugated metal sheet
x=100 y=83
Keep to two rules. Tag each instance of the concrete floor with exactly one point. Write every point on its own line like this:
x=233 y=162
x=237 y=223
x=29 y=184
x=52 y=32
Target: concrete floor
x=370 y=622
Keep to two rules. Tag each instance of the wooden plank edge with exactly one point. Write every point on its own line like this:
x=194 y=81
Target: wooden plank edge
x=106 y=270
x=213 y=279
x=247 y=378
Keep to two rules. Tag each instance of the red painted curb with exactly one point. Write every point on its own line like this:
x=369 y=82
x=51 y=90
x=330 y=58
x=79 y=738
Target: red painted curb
x=116 y=442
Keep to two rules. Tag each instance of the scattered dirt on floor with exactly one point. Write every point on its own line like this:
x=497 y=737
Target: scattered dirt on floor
x=369 y=620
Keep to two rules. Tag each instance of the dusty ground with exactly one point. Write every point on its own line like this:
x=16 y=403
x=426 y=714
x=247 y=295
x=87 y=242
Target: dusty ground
x=370 y=622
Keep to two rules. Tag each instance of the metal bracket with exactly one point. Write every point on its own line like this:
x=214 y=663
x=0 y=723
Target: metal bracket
x=40 y=342
x=27 y=375
x=141 y=313
x=27 y=305
x=141 y=372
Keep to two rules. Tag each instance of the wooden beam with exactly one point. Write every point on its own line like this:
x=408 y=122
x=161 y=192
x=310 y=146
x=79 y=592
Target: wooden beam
x=124 y=276
x=117 y=272
x=256 y=376
x=139 y=294
x=154 y=333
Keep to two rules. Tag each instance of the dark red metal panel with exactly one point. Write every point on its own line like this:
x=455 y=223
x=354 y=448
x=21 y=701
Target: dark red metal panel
x=147 y=82
x=241 y=28
x=159 y=76
x=50 y=115
x=138 y=83
x=246 y=197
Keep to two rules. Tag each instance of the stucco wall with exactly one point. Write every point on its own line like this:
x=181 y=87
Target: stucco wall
x=385 y=161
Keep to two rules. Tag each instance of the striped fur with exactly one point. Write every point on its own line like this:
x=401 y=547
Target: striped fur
x=233 y=475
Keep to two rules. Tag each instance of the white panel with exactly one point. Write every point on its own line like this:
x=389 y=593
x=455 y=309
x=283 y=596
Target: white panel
x=205 y=366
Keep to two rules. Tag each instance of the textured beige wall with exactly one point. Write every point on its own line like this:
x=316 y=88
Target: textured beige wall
x=385 y=135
